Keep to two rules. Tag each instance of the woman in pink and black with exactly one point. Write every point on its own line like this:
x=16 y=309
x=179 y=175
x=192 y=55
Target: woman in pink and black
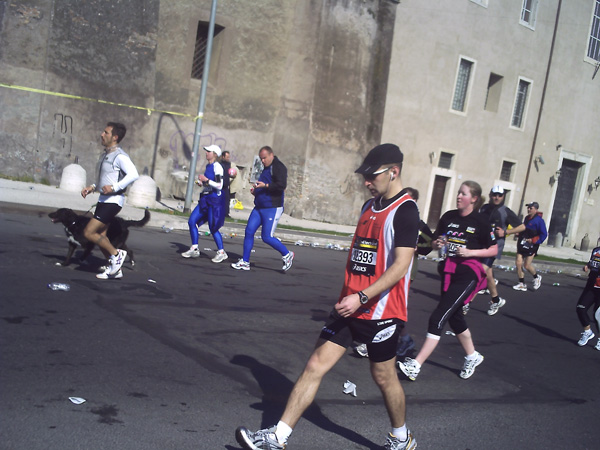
x=469 y=238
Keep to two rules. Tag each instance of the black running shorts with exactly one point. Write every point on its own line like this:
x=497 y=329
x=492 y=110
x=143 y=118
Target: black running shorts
x=105 y=212
x=381 y=336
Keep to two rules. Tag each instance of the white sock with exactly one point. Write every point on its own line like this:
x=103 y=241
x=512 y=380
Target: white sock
x=194 y=247
x=472 y=355
x=400 y=433
x=282 y=431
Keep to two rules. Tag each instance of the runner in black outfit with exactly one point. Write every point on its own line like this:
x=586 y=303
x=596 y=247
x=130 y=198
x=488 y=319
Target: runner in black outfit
x=590 y=296
x=469 y=238
x=500 y=217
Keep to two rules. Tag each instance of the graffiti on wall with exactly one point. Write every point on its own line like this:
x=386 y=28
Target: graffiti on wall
x=62 y=133
x=350 y=185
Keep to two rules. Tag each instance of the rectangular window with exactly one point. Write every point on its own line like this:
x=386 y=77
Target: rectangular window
x=529 y=13
x=492 y=100
x=445 y=161
x=461 y=88
x=518 y=117
x=593 y=51
x=507 y=170
x=200 y=48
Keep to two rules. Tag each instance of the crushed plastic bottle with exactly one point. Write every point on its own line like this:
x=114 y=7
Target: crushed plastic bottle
x=555 y=284
x=443 y=251
x=59 y=286
x=166 y=229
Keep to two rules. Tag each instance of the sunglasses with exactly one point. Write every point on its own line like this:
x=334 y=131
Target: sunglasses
x=372 y=176
x=496 y=194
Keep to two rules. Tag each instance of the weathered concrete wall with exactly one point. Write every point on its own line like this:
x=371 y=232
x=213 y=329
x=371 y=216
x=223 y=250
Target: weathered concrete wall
x=307 y=77
x=96 y=50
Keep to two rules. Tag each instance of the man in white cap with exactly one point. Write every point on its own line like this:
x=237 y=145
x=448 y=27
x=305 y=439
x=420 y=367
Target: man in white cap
x=210 y=206
x=504 y=222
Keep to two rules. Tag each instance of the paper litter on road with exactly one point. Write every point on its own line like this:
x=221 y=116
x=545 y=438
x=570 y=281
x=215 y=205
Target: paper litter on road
x=350 y=388
x=77 y=400
x=151 y=280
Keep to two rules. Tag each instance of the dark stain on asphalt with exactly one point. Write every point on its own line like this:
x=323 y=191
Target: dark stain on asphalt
x=15 y=319
x=107 y=413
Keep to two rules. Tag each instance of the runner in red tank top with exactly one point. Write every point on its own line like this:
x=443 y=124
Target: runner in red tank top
x=371 y=307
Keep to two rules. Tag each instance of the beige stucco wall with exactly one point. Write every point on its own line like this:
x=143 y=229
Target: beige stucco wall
x=429 y=39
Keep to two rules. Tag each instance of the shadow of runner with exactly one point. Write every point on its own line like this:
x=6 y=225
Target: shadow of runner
x=275 y=391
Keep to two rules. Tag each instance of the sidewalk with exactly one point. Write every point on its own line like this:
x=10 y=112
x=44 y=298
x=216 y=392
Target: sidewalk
x=53 y=197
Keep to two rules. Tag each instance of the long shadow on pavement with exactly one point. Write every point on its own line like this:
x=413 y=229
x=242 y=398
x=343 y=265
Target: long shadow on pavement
x=276 y=389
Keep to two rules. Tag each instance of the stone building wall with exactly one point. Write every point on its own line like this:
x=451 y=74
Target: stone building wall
x=307 y=77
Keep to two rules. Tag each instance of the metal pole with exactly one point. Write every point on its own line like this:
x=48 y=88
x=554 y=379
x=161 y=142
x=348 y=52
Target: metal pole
x=202 y=101
x=540 y=111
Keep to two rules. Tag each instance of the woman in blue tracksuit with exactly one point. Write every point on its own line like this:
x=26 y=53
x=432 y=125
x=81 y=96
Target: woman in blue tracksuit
x=268 y=208
x=210 y=206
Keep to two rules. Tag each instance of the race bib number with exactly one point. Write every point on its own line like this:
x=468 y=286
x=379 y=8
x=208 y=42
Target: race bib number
x=526 y=245
x=364 y=256
x=454 y=243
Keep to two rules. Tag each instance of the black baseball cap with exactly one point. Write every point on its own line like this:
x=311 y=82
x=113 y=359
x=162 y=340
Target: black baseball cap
x=378 y=156
x=536 y=205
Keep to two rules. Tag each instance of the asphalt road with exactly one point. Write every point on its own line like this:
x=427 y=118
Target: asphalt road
x=180 y=363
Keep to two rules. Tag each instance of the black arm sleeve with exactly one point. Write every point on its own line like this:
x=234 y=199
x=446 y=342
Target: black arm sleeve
x=512 y=219
x=406 y=225
x=279 y=177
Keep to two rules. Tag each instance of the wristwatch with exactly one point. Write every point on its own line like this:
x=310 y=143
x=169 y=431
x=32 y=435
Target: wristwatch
x=363 y=297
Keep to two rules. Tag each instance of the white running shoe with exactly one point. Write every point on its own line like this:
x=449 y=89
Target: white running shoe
x=287 y=261
x=220 y=256
x=116 y=261
x=107 y=276
x=393 y=443
x=597 y=346
x=241 y=265
x=585 y=337
x=191 y=253
x=537 y=282
x=520 y=287
x=465 y=309
x=410 y=367
x=361 y=350
x=258 y=440
x=470 y=364
x=487 y=291
x=494 y=307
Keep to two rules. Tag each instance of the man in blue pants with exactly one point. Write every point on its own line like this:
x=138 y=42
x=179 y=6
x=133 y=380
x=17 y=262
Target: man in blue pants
x=268 y=194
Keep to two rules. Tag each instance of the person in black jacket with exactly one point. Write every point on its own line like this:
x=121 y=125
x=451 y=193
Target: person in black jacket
x=588 y=298
x=500 y=217
x=268 y=194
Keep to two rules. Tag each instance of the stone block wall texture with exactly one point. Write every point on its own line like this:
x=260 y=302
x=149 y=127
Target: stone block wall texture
x=307 y=77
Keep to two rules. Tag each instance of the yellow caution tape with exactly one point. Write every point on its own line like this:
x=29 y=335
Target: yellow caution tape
x=77 y=97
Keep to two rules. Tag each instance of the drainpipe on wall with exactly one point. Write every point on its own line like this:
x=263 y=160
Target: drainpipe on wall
x=201 y=103
x=541 y=109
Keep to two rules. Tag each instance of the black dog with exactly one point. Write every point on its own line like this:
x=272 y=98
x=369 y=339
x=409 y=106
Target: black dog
x=74 y=224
